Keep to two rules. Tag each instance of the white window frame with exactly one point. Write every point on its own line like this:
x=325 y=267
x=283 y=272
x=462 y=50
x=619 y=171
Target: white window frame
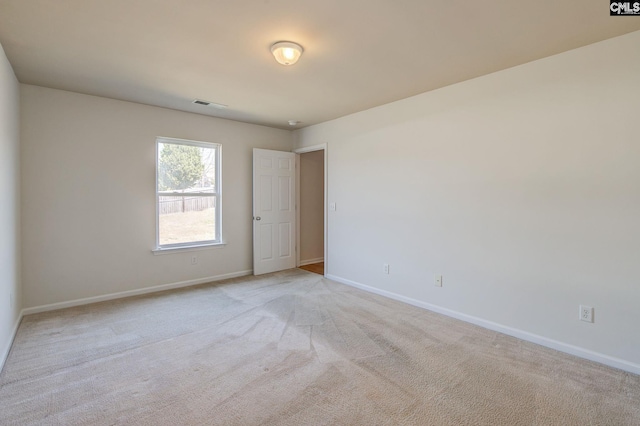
x=217 y=194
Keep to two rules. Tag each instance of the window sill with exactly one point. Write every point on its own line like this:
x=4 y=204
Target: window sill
x=170 y=250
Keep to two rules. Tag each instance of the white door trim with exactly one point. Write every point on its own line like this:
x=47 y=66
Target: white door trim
x=319 y=147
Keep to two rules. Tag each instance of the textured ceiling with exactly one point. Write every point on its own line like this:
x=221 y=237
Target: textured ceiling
x=358 y=53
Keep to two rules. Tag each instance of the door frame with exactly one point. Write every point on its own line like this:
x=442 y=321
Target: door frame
x=319 y=147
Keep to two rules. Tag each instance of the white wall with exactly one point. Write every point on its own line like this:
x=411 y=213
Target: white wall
x=311 y=205
x=88 y=195
x=521 y=187
x=10 y=290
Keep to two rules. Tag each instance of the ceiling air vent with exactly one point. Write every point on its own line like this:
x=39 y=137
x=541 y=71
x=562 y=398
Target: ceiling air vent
x=209 y=104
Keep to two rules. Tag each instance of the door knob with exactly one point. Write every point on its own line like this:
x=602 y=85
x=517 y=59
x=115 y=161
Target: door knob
x=258 y=218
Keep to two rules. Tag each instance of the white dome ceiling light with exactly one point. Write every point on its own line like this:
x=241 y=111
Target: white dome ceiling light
x=286 y=52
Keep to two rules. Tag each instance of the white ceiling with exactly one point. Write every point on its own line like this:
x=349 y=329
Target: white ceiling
x=358 y=53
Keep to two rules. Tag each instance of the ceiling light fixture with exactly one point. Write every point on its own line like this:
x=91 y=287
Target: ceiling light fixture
x=286 y=52
x=293 y=122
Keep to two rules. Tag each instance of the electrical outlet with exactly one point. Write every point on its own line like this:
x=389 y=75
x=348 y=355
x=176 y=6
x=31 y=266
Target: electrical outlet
x=385 y=268
x=194 y=260
x=438 y=280
x=586 y=313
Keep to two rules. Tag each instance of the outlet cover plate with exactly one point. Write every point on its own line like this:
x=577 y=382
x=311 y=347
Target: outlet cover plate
x=586 y=313
x=438 y=280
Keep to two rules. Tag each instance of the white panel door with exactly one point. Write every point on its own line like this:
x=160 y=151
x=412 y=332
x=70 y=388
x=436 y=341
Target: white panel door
x=274 y=211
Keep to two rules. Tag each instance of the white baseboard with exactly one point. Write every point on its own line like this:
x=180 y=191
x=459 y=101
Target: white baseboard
x=520 y=334
x=310 y=261
x=129 y=293
x=5 y=353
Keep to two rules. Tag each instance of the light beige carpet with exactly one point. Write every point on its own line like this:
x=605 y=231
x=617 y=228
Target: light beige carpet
x=293 y=348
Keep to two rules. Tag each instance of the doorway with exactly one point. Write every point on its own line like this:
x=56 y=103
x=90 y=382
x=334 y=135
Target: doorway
x=312 y=221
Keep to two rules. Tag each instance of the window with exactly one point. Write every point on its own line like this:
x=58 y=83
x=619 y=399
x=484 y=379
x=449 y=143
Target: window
x=187 y=193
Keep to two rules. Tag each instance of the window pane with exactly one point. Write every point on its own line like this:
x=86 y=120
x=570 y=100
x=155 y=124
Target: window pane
x=186 y=168
x=186 y=219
